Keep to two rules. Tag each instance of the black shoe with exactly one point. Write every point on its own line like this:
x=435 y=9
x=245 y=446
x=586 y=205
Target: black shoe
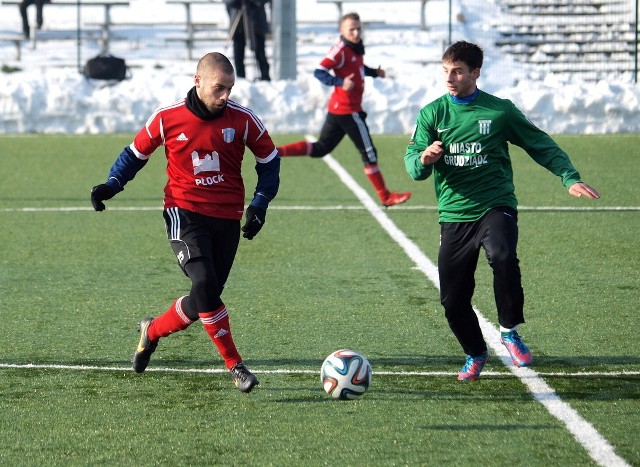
x=243 y=378
x=146 y=347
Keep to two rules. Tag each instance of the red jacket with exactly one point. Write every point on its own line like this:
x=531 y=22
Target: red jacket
x=343 y=60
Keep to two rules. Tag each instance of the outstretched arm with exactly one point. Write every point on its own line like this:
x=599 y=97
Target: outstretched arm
x=327 y=78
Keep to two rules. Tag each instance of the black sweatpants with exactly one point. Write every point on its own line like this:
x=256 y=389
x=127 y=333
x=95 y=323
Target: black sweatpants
x=336 y=126
x=460 y=242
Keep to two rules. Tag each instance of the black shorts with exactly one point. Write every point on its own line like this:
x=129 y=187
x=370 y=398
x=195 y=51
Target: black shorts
x=193 y=235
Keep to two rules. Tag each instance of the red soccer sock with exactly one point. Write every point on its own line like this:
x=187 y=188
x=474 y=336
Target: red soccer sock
x=172 y=320
x=216 y=323
x=300 y=148
x=375 y=177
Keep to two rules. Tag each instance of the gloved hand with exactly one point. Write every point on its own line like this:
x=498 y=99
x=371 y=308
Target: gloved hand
x=100 y=193
x=255 y=220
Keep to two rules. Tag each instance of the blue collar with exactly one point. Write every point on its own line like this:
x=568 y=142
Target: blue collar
x=465 y=100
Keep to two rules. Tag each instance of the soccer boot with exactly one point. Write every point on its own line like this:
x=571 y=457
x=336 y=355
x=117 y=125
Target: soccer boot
x=472 y=367
x=146 y=347
x=393 y=198
x=518 y=350
x=243 y=378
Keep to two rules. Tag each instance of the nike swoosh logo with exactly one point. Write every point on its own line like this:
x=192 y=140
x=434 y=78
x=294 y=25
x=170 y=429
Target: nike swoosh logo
x=442 y=130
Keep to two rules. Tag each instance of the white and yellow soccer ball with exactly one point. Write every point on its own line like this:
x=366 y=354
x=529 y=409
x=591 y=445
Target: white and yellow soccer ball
x=345 y=374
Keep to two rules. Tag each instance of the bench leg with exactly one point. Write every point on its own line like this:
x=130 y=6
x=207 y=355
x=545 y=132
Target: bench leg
x=18 y=44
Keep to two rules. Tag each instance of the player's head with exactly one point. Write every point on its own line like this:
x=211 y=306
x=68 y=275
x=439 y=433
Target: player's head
x=466 y=52
x=351 y=28
x=461 y=64
x=214 y=80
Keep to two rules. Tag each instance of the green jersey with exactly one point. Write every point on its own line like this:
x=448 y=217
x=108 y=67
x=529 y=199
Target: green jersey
x=474 y=174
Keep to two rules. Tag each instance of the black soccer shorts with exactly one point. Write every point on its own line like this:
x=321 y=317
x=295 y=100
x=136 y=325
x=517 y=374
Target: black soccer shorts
x=194 y=235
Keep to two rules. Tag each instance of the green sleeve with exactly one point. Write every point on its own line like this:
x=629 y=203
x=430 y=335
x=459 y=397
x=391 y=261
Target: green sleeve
x=542 y=148
x=417 y=144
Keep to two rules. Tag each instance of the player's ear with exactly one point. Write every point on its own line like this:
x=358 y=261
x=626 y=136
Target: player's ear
x=196 y=80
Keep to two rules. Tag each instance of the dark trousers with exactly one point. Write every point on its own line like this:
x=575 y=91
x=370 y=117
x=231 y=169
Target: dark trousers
x=258 y=45
x=460 y=242
x=336 y=126
x=25 y=19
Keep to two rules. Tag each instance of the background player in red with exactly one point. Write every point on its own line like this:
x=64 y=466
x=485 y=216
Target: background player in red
x=204 y=136
x=345 y=115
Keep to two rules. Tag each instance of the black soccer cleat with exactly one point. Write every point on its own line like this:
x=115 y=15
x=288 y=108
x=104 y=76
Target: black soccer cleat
x=146 y=347
x=243 y=378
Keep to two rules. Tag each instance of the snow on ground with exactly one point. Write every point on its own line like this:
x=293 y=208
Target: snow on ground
x=49 y=95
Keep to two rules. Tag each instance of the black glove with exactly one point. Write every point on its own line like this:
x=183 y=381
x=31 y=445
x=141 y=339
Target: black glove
x=99 y=194
x=255 y=220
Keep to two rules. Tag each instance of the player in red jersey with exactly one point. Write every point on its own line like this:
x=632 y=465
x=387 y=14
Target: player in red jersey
x=204 y=138
x=345 y=115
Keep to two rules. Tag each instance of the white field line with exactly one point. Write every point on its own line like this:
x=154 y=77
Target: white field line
x=337 y=207
x=301 y=371
x=593 y=442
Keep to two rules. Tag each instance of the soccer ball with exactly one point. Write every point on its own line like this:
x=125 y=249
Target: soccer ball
x=345 y=374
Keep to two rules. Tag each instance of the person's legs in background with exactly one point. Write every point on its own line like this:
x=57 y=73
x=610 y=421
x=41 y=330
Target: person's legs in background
x=261 y=57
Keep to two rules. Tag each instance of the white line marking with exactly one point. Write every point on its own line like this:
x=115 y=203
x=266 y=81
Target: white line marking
x=337 y=207
x=285 y=371
x=594 y=443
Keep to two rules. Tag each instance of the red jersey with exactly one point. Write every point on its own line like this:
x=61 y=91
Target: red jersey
x=204 y=157
x=343 y=60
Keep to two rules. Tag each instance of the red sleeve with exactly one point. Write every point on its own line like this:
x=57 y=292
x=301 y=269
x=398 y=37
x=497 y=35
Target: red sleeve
x=259 y=141
x=334 y=59
x=151 y=137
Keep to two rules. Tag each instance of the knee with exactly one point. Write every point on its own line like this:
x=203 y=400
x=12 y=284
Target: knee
x=456 y=304
x=202 y=275
x=200 y=282
x=319 y=149
x=504 y=261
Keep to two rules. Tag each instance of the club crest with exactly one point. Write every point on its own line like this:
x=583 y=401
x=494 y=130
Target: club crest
x=228 y=134
x=484 y=126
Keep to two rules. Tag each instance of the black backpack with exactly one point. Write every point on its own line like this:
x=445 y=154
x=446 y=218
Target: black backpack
x=106 y=67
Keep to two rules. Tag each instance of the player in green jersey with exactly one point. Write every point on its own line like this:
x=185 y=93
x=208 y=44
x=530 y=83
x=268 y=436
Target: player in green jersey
x=461 y=139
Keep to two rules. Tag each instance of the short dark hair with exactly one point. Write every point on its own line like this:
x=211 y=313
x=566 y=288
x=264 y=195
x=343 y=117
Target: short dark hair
x=353 y=16
x=465 y=52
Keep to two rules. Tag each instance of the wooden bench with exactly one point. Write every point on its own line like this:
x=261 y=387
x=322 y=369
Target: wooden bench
x=191 y=26
x=339 y=4
x=79 y=5
x=17 y=42
x=190 y=40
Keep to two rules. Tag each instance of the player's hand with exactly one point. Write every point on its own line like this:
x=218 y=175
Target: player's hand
x=255 y=220
x=347 y=83
x=432 y=154
x=380 y=73
x=579 y=189
x=100 y=193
